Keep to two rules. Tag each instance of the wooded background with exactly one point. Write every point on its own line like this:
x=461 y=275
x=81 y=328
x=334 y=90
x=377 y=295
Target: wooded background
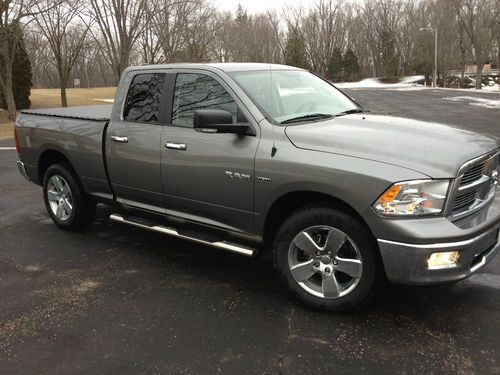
x=50 y=43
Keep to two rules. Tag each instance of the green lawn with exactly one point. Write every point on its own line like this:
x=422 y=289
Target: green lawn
x=46 y=98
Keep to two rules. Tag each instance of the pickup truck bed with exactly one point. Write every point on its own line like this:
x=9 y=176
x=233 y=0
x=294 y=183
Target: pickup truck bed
x=91 y=112
x=75 y=132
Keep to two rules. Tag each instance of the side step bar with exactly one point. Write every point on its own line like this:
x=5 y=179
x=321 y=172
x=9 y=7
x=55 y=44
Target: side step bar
x=243 y=250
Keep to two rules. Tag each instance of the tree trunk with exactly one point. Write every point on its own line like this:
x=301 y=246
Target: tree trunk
x=9 y=93
x=6 y=74
x=118 y=74
x=479 y=77
x=63 y=83
x=64 y=98
x=124 y=62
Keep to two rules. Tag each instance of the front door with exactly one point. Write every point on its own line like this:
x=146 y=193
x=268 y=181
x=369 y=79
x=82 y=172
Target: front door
x=133 y=147
x=207 y=178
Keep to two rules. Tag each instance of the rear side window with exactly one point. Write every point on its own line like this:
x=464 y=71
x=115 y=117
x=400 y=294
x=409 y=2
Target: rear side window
x=144 y=98
x=199 y=91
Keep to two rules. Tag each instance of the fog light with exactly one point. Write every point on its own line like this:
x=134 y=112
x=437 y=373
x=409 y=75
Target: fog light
x=447 y=259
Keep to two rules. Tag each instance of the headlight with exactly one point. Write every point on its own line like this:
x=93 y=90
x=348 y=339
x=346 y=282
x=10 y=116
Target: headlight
x=413 y=198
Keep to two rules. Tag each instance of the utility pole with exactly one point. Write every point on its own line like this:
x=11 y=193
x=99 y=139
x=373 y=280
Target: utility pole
x=434 y=78
x=435 y=55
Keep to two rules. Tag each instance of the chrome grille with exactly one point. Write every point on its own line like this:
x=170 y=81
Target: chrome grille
x=464 y=200
x=476 y=185
x=472 y=174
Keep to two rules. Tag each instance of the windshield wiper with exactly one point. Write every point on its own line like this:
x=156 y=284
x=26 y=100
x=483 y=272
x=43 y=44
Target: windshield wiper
x=313 y=116
x=350 y=112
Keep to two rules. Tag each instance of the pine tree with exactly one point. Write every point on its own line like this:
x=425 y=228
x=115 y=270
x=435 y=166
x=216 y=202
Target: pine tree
x=336 y=65
x=241 y=14
x=22 y=79
x=351 y=64
x=295 y=49
x=389 y=59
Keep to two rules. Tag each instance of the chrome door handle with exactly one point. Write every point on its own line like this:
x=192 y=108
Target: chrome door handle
x=176 y=146
x=116 y=138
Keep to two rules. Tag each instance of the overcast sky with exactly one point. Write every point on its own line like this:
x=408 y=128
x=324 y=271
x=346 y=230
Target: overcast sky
x=253 y=6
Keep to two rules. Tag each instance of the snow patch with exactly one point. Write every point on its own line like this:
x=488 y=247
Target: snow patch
x=494 y=88
x=480 y=102
x=376 y=83
x=104 y=100
x=32 y=268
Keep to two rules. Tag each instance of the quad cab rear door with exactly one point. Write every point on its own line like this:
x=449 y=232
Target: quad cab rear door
x=133 y=139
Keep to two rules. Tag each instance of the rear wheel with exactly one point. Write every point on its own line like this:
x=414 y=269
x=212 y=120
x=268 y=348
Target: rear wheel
x=327 y=259
x=67 y=203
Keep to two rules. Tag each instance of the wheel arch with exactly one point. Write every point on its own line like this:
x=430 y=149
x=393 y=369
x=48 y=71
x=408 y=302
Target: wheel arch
x=292 y=201
x=50 y=157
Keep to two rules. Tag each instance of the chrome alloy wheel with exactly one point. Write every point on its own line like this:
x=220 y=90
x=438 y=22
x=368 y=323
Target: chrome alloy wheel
x=59 y=197
x=325 y=262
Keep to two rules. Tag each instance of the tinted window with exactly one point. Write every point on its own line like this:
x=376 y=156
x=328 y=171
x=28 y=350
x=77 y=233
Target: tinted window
x=199 y=91
x=144 y=98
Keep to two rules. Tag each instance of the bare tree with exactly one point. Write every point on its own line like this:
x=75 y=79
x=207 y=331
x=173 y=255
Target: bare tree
x=256 y=38
x=199 y=28
x=149 y=41
x=383 y=37
x=14 y=12
x=120 y=23
x=379 y=21
x=42 y=67
x=64 y=36
x=324 y=30
x=166 y=21
x=480 y=20
x=222 y=48
x=92 y=68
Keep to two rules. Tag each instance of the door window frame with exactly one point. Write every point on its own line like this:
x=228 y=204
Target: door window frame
x=164 y=101
x=171 y=91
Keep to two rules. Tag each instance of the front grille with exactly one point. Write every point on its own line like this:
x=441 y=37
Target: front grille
x=464 y=200
x=473 y=174
x=474 y=188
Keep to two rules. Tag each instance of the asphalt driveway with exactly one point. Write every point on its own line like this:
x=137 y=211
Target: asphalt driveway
x=115 y=299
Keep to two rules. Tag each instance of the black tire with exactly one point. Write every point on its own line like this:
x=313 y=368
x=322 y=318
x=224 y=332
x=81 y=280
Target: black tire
x=82 y=207
x=360 y=289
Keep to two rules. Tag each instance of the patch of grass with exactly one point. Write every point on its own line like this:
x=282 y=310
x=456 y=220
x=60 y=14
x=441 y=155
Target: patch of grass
x=6 y=126
x=47 y=98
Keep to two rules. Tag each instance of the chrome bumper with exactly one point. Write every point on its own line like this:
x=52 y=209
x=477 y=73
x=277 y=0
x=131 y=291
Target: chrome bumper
x=406 y=263
x=22 y=170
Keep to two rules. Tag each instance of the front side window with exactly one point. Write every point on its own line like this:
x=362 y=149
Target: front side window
x=198 y=91
x=144 y=98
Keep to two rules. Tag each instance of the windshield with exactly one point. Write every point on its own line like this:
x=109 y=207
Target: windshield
x=288 y=96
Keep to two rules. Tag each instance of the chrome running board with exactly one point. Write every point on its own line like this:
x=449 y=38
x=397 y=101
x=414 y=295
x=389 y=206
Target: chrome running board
x=243 y=250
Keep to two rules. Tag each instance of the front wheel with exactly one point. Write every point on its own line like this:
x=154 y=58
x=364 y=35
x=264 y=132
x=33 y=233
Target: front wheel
x=67 y=203
x=327 y=259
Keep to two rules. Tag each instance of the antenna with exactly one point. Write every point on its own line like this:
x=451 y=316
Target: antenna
x=274 y=149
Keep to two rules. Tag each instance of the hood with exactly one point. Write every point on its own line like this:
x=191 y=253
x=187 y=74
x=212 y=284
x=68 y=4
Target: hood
x=435 y=150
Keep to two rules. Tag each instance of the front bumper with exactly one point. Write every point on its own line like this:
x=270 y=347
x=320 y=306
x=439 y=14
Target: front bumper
x=406 y=245
x=407 y=263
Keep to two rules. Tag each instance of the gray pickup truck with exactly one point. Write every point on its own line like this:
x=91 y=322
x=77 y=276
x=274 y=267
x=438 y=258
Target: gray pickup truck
x=271 y=158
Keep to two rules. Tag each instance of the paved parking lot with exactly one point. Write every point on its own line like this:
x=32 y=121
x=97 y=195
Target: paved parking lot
x=477 y=111
x=115 y=299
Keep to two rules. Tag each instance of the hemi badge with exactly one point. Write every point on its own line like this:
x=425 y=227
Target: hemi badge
x=264 y=179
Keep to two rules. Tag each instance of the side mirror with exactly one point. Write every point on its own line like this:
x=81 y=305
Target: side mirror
x=217 y=121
